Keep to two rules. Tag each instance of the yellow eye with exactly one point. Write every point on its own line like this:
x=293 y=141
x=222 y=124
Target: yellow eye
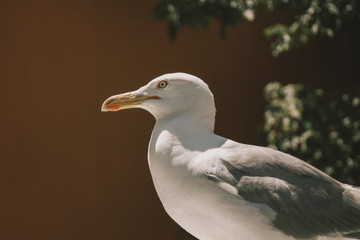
x=162 y=84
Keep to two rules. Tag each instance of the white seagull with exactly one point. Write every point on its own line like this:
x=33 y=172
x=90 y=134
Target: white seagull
x=218 y=189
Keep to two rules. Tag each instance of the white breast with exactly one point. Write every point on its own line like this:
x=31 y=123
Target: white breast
x=197 y=204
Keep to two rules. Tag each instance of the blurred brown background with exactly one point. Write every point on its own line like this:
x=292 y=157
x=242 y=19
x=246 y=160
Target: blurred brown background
x=69 y=171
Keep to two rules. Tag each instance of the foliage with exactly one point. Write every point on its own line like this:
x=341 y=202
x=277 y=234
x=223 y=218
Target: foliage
x=318 y=128
x=312 y=17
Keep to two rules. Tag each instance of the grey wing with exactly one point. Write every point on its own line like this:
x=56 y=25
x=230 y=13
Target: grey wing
x=308 y=202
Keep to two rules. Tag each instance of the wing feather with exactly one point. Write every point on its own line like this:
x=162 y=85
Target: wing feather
x=308 y=202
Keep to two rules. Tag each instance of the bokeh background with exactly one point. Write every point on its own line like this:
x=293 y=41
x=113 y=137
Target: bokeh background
x=69 y=171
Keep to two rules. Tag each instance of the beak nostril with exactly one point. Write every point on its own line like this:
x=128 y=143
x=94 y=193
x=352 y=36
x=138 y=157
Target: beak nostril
x=110 y=101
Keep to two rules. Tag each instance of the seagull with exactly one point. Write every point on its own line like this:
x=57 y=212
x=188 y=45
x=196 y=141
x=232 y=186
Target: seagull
x=219 y=189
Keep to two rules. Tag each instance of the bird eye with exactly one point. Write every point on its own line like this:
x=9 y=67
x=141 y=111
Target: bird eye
x=162 y=84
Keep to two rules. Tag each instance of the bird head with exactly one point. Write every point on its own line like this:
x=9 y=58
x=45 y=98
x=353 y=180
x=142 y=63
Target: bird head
x=167 y=96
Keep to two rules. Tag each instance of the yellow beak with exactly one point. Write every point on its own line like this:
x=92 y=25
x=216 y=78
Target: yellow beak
x=124 y=101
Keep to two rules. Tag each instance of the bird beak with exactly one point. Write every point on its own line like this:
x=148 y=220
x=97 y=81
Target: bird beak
x=124 y=101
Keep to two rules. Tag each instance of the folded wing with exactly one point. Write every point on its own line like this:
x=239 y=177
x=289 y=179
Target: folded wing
x=307 y=201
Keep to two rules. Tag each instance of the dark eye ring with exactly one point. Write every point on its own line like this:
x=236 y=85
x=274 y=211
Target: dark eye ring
x=162 y=84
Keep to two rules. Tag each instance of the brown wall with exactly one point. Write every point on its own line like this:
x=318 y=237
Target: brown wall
x=69 y=171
